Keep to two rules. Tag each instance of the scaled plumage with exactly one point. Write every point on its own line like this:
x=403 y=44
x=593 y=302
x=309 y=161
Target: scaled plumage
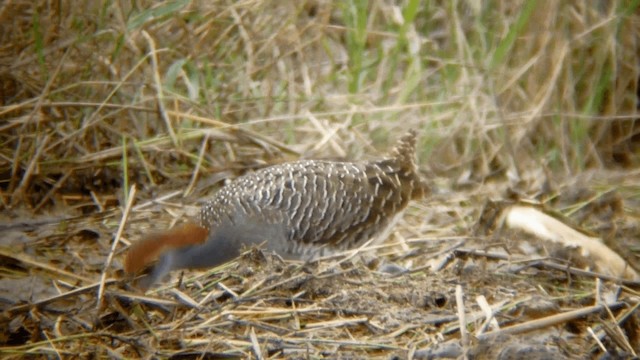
x=298 y=209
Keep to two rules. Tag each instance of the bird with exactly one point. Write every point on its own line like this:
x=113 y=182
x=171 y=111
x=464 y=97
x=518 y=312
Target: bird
x=300 y=210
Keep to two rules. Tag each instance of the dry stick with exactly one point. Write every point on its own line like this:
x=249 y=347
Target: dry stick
x=595 y=338
x=327 y=136
x=184 y=298
x=157 y=200
x=622 y=318
x=575 y=271
x=334 y=323
x=25 y=259
x=255 y=345
x=257 y=324
x=96 y=200
x=225 y=288
x=461 y=317
x=43 y=302
x=549 y=320
x=158 y=83
x=250 y=291
x=40 y=345
x=303 y=342
x=146 y=299
x=125 y=215
x=347 y=255
x=622 y=337
x=448 y=249
x=488 y=313
x=52 y=345
x=32 y=224
x=473 y=316
x=53 y=189
x=542 y=263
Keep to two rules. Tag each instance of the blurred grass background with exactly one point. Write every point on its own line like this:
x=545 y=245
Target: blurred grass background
x=97 y=95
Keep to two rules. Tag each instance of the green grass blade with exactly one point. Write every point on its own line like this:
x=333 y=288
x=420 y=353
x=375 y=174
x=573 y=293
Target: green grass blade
x=38 y=40
x=507 y=43
x=355 y=15
x=151 y=14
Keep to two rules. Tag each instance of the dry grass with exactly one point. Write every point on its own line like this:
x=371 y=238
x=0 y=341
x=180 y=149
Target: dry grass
x=512 y=99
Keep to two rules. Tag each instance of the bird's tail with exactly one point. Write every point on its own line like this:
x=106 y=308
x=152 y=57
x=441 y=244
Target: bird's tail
x=404 y=152
x=148 y=250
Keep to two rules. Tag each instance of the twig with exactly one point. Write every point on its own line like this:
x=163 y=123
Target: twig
x=23 y=258
x=464 y=335
x=335 y=323
x=541 y=263
x=38 y=304
x=595 y=337
x=146 y=299
x=548 y=321
x=156 y=200
x=255 y=345
x=158 y=83
x=490 y=318
x=52 y=344
x=620 y=338
x=116 y=240
x=231 y=292
x=184 y=298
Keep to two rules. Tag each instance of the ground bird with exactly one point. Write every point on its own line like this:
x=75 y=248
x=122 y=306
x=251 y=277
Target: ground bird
x=300 y=210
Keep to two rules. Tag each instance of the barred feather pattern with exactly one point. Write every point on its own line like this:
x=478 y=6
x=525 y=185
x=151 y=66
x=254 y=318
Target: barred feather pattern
x=323 y=206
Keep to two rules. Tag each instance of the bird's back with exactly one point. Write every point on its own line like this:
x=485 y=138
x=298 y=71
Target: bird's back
x=321 y=205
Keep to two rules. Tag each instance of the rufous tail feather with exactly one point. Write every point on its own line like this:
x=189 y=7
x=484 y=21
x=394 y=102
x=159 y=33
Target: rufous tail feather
x=146 y=251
